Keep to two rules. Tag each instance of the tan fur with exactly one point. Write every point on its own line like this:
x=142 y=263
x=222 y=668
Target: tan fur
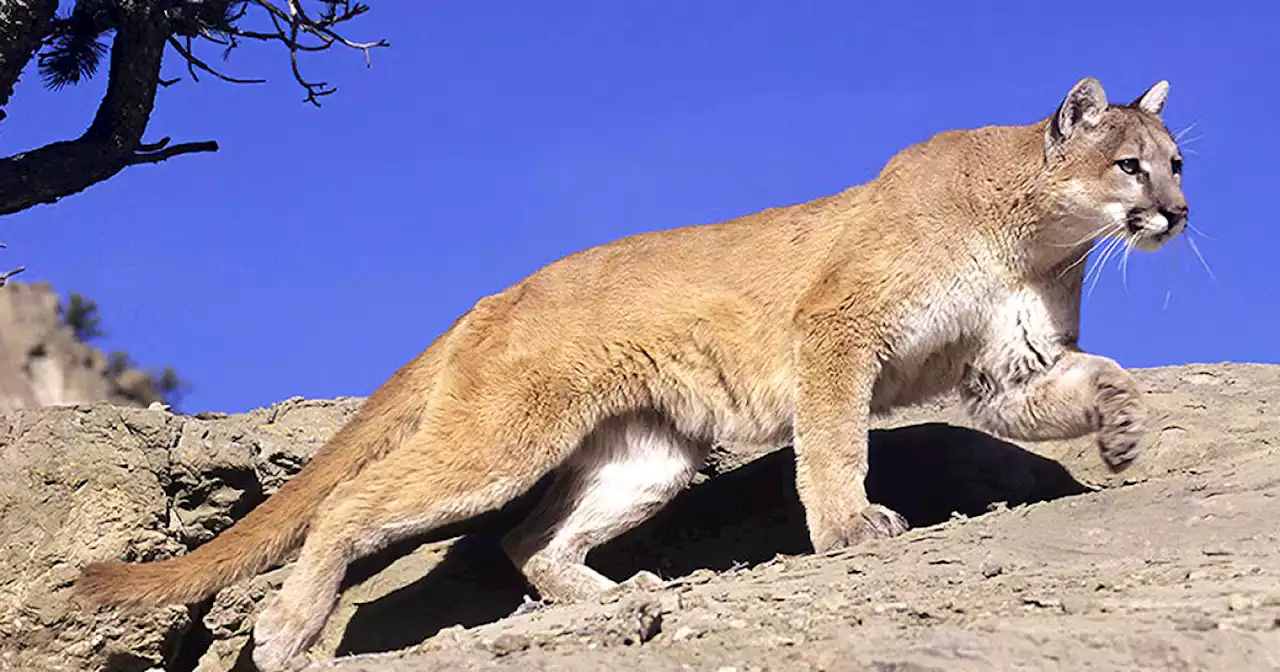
x=618 y=366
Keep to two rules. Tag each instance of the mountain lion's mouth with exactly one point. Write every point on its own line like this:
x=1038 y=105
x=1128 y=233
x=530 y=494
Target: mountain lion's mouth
x=1147 y=238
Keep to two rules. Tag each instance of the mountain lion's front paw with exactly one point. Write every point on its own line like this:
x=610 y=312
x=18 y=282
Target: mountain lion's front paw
x=1123 y=421
x=872 y=522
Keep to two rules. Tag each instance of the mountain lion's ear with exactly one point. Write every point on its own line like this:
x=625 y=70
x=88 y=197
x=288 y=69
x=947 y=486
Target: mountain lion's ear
x=1082 y=108
x=1152 y=102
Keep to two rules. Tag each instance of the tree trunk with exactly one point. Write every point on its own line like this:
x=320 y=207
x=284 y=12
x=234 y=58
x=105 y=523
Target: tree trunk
x=23 y=23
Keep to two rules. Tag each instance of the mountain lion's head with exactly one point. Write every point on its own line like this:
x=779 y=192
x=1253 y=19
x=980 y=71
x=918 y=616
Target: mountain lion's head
x=1118 y=167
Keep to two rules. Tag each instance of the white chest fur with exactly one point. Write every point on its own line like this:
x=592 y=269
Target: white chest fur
x=1006 y=334
x=1026 y=331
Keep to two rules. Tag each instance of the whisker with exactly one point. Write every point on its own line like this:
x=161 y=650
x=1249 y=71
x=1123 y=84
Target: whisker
x=1168 y=284
x=1124 y=261
x=1183 y=144
x=1093 y=245
x=1091 y=269
x=1196 y=248
x=1093 y=235
x=1190 y=151
x=1179 y=134
x=1191 y=227
x=1111 y=253
x=1095 y=272
x=1098 y=260
x=1109 y=250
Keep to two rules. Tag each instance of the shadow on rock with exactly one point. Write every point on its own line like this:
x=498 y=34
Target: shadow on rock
x=744 y=517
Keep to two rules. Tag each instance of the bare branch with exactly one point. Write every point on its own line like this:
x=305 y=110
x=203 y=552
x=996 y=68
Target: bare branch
x=292 y=24
x=169 y=152
x=193 y=62
x=153 y=146
x=257 y=35
x=4 y=277
x=314 y=89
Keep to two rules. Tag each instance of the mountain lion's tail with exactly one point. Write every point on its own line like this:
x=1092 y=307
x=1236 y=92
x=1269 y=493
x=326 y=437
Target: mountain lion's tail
x=275 y=527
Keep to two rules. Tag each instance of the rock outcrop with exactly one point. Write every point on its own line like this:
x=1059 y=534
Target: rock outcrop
x=42 y=363
x=95 y=481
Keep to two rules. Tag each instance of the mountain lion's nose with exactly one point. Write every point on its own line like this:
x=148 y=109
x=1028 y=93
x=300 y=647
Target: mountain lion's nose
x=1174 y=216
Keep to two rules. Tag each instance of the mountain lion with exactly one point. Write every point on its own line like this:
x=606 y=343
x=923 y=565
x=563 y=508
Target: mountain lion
x=958 y=267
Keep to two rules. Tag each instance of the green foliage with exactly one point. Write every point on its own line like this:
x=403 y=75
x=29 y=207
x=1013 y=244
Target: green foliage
x=118 y=362
x=81 y=315
x=169 y=386
x=74 y=48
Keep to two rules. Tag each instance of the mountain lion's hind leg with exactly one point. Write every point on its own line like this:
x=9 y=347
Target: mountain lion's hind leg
x=414 y=490
x=293 y=617
x=1079 y=394
x=624 y=472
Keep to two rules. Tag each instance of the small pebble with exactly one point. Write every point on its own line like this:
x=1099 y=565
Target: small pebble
x=699 y=577
x=1238 y=602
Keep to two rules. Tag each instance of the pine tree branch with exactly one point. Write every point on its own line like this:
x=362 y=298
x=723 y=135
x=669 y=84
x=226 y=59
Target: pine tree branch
x=143 y=29
x=158 y=152
x=114 y=140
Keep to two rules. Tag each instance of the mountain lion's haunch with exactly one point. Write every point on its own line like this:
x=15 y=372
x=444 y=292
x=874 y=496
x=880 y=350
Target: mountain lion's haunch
x=958 y=267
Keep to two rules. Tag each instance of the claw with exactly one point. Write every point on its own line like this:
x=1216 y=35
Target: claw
x=872 y=522
x=882 y=522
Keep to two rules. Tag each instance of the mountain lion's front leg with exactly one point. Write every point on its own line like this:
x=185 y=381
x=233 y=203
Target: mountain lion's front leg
x=1079 y=394
x=833 y=402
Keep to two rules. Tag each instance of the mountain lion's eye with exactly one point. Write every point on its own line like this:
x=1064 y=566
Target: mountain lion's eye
x=1176 y=165
x=1129 y=166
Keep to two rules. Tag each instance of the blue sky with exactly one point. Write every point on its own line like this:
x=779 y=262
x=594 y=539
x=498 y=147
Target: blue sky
x=321 y=249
